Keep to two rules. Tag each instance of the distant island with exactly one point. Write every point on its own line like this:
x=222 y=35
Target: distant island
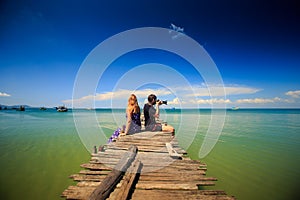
x=14 y=107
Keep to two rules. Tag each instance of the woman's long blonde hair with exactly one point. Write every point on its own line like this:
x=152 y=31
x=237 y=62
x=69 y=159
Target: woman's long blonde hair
x=133 y=105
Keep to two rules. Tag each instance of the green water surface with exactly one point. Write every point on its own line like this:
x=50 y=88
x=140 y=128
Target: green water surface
x=256 y=157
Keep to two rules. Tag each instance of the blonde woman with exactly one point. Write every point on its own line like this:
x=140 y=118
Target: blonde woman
x=133 y=115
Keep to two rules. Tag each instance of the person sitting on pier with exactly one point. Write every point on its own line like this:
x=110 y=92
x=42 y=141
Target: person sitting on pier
x=133 y=115
x=150 y=114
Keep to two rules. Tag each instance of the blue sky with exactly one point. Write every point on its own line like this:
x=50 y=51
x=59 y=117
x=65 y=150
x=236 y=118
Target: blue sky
x=254 y=44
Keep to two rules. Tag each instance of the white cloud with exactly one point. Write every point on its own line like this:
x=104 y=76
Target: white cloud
x=176 y=101
x=240 y=90
x=3 y=94
x=263 y=100
x=213 y=101
x=294 y=94
x=121 y=94
x=216 y=90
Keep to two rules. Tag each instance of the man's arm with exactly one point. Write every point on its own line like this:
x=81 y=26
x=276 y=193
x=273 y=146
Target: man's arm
x=157 y=110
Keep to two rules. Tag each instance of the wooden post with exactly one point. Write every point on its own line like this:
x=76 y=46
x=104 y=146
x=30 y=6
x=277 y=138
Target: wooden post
x=113 y=178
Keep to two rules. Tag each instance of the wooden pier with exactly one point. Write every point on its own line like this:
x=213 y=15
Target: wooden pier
x=147 y=165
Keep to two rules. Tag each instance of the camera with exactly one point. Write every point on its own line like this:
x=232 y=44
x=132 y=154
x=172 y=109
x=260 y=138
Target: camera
x=162 y=102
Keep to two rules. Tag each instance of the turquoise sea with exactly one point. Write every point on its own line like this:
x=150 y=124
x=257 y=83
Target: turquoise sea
x=256 y=157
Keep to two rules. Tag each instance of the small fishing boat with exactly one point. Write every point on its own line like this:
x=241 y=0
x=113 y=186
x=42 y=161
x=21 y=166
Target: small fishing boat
x=235 y=108
x=43 y=108
x=61 y=109
x=21 y=108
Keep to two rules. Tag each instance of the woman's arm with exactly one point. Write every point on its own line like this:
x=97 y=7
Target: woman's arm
x=128 y=122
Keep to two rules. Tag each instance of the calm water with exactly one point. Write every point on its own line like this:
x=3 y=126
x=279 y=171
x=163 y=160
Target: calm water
x=256 y=157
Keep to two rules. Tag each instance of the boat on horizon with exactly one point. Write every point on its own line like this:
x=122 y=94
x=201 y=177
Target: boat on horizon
x=235 y=108
x=21 y=108
x=61 y=109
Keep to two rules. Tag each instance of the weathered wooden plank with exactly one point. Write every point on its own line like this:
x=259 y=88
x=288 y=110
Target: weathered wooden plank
x=153 y=143
x=141 y=148
x=151 y=169
x=176 y=193
x=181 y=194
x=109 y=155
x=150 y=185
x=128 y=181
x=169 y=183
x=75 y=192
x=193 y=181
x=89 y=172
x=112 y=179
x=158 y=165
x=111 y=161
x=96 y=166
x=153 y=140
x=170 y=166
x=172 y=174
x=144 y=147
x=88 y=184
x=80 y=177
x=182 y=177
x=171 y=170
x=150 y=160
x=157 y=140
x=151 y=156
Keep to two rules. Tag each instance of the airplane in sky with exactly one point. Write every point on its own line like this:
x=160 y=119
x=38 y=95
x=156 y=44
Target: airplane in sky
x=177 y=29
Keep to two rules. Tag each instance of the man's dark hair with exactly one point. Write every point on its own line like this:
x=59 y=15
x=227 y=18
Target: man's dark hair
x=151 y=97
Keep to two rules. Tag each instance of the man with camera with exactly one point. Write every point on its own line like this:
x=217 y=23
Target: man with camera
x=151 y=113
